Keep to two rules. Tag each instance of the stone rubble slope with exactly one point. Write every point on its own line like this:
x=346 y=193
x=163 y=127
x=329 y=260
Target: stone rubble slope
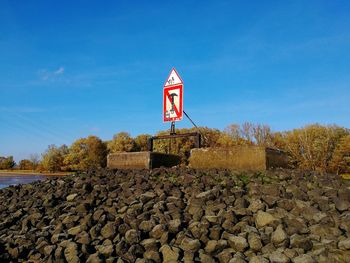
x=177 y=215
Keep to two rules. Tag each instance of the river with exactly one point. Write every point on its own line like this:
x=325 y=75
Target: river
x=14 y=179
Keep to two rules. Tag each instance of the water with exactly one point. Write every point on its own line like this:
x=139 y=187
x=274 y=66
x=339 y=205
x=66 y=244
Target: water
x=14 y=179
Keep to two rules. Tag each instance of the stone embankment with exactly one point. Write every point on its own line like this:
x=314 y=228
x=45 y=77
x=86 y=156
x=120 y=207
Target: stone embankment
x=177 y=215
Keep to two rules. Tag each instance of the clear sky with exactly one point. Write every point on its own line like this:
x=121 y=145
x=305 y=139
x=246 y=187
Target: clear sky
x=69 y=69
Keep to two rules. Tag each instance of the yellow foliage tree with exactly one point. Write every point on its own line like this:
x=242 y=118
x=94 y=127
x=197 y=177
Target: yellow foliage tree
x=341 y=157
x=86 y=153
x=122 y=142
x=312 y=147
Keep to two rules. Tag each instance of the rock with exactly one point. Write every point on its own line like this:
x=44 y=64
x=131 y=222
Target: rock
x=83 y=238
x=97 y=214
x=71 y=197
x=238 y=243
x=94 y=258
x=305 y=258
x=262 y=219
x=70 y=219
x=71 y=253
x=170 y=254
x=145 y=216
x=256 y=205
x=341 y=205
x=109 y=230
x=254 y=241
x=106 y=249
x=295 y=226
x=191 y=245
x=237 y=260
x=48 y=250
x=74 y=230
x=297 y=241
x=147 y=226
x=174 y=225
x=205 y=195
x=226 y=255
x=279 y=236
x=132 y=236
x=157 y=231
x=278 y=257
x=344 y=244
x=150 y=244
x=204 y=258
x=211 y=246
x=258 y=259
x=152 y=255
x=147 y=197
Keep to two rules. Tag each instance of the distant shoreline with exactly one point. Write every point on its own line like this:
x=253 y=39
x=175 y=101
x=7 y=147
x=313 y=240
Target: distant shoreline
x=25 y=172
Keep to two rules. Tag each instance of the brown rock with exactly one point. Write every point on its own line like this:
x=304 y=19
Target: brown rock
x=108 y=231
x=254 y=241
x=189 y=244
x=74 y=230
x=305 y=258
x=132 y=236
x=147 y=226
x=238 y=243
x=157 y=231
x=279 y=236
x=262 y=219
x=170 y=254
x=173 y=225
x=71 y=253
x=278 y=257
x=344 y=244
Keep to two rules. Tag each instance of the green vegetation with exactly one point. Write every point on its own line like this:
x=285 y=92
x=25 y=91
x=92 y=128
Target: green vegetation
x=7 y=162
x=313 y=147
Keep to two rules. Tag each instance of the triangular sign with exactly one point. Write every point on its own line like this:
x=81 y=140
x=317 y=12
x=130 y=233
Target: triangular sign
x=173 y=79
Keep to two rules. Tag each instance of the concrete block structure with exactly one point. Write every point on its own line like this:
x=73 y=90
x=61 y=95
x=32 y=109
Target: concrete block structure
x=241 y=158
x=141 y=160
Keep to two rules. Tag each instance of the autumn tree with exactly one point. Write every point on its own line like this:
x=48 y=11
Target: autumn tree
x=35 y=159
x=25 y=164
x=7 y=162
x=121 y=142
x=312 y=147
x=341 y=157
x=52 y=158
x=86 y=153
x=141 y=142
x=262 y=135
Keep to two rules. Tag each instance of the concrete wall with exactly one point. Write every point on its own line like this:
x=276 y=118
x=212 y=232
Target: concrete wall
x=247 y=158
x=141 y=160
x=276 y=158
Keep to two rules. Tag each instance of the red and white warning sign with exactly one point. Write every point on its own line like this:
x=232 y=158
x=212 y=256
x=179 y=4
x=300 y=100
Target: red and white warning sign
x=173 y=97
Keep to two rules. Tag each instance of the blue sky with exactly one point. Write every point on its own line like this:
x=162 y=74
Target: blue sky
x=69 y=69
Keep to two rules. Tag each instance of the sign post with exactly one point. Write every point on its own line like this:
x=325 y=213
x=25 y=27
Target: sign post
x=173 y=110
x=173 y=99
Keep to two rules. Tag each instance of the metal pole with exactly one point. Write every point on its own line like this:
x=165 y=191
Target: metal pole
x=172 y=128
x=195 y=125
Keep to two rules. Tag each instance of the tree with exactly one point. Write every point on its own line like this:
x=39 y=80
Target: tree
x=262 y=135
x=141 y=142
x=312 y=147
x=247 y=131
x=25 y=164
x=341 y=157
x=35 y=159
x=122 y=142
x=7 y=162
x=52 y=158
x=86 y=153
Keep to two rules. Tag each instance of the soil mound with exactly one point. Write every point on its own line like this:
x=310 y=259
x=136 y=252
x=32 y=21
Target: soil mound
x=177 y=215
